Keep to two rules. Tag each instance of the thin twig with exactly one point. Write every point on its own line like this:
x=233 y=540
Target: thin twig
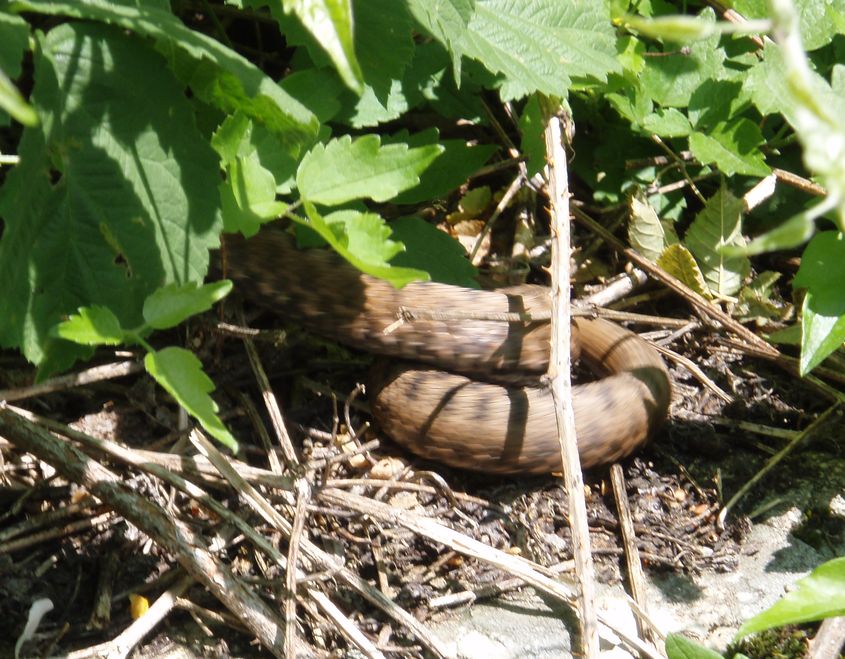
x=122 y=645
x=300 y=514
x=310 y=551
x=173 y=535
x=560 y=369
x=510 y=193
x=780 y=455
x=270 y=402
x=636 y=579
x=88 y=376
x=430 y=528
x=693 y=368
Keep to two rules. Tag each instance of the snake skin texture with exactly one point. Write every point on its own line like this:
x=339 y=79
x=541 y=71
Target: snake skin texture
x=440 y=407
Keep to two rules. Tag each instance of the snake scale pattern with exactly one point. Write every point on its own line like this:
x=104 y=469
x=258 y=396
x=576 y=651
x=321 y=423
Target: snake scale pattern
x=450 y=405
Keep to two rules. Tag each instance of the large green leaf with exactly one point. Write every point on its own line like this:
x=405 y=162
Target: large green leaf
x=347 y=169
x=170 y=305
x=542 y=45
x=822 y=273
x=817 y=596
x=457 y=162
x=217 y=74
x=330 y=23
x=446 y=21
x=111 y=196
x=92 y=326
x=434 y=251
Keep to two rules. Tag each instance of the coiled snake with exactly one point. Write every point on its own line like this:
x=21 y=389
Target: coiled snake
x=439 y=408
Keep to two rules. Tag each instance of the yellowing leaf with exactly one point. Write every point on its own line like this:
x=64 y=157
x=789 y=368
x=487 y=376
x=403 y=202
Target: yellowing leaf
x=678 y=262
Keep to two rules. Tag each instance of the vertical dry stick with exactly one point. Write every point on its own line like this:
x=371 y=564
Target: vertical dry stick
x=632 y=555
x=561 y=384
x=303 y=494
x=271 y=404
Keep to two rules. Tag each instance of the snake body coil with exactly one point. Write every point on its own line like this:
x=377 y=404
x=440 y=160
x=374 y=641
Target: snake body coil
x=451 y=416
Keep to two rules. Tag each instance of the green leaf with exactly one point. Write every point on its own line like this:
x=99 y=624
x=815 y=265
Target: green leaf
x=758 y=301
x=383 y=43
x=719 y=223
x=248 y=197
x=790 y=335
x=822 y=272
x=14 y=34
x=631 y=53
x=239 y=139
x=217 y=74
x=446 y=21
x=170 y=305
x=317 y=89
x=363 y=240
x=680 y=647
x=784 y=83
x=455 y=164
x=542 y=45
x=343 y=169
x=815 y=597
x=181 y=375
x=645 y=232
x=330 y=23
x=678 y=262
x=716 y=102
x=531 y=130
x=434 y=251
x=733 y=147
x=631 y=102
x=671 y=80
x=795 y=231
x=111 y=197
x=92 y=326
x=12 y=102
x=667 y=122
x=372 y=108
x=819 y=20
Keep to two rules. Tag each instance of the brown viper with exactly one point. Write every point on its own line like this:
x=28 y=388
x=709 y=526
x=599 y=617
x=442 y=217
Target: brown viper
x=454 y=418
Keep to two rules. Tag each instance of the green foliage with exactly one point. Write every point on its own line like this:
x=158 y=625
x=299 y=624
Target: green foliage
x=147 y=133
x=180 y=373
x=127 y=209
x=645 y=232
x=345 y=169
x=175 y=369
x=822 y=273
x=717 y=225
x=815 y=597
x=680 y=647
